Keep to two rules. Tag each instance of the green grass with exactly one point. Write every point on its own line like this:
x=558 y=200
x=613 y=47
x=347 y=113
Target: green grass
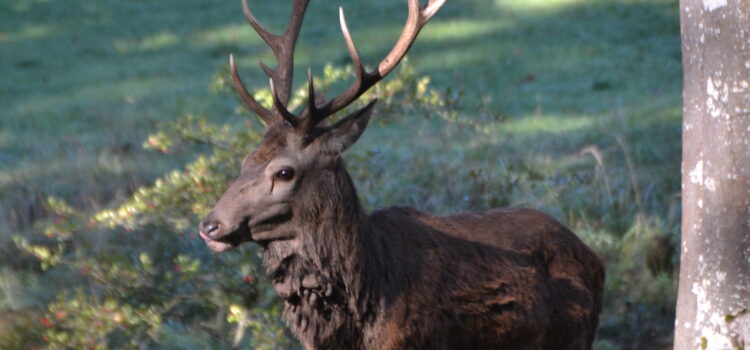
x=84 y=82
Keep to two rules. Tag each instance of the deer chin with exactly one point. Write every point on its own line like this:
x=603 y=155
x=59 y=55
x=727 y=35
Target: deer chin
x=228 y=241
x=220 y=247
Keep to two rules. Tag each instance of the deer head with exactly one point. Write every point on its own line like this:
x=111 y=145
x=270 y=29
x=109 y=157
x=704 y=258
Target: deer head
x=297 y=167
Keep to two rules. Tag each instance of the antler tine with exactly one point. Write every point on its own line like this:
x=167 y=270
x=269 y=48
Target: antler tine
x=266 y=69
x=267 y=36
x=312 y=116
x=311 y=107
x=408 y=35
x=280 y=108
x=356 y=60
x=265 y=114
x=432 y=8
x=283 y=49
x=417 y=18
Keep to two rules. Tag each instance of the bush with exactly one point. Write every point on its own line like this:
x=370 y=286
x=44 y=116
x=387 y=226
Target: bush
x=138 y=277
x=138 y=274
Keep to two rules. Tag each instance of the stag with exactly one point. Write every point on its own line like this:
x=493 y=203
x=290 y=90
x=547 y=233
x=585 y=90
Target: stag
x=396 y=278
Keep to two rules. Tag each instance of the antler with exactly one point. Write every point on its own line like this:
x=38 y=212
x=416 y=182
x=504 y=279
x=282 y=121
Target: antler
x=417 y=18
x=283 y=48
x=281 y=77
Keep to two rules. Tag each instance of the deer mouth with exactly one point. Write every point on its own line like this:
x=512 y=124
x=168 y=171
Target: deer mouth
x=269 y=227
x=228 y=241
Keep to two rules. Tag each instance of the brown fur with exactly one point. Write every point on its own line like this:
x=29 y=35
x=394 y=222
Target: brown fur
x=397 y=278
x=402 y=279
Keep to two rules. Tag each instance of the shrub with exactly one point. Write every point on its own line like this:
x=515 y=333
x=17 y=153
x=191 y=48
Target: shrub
x=138 y=274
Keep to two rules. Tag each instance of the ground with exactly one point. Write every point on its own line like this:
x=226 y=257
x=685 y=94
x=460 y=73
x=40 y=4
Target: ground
x=578 y=102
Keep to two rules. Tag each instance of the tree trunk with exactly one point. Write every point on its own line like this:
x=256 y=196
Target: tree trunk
x=713 y=305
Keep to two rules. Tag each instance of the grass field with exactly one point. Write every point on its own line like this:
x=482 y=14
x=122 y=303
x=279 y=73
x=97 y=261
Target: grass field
x=579 y=102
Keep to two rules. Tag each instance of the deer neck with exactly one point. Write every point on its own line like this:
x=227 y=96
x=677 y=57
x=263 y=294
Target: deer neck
x=331 y=258
x=340 y=236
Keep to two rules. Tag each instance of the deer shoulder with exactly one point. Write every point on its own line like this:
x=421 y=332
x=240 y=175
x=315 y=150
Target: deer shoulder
x=396 y=278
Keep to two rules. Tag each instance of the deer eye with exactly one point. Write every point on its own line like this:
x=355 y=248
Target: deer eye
x=285 y=174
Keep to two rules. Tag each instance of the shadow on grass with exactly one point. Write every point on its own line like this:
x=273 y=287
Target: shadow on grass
x=84 y=80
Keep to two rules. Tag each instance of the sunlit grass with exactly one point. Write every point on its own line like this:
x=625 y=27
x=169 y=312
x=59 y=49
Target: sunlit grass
x=25 y=5
x=548 y=124
x=85 y=82
x=463 y=29
x=154 y=42
x=236 y=34
x=30 y=32
x=530 y=6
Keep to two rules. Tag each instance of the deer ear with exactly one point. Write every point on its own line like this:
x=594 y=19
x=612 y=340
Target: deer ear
x=347 y=131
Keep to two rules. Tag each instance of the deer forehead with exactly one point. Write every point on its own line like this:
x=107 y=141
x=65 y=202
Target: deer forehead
x=279 y=152
x=276 y=139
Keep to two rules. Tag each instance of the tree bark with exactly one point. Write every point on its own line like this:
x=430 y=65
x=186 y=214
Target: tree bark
x=713 y=305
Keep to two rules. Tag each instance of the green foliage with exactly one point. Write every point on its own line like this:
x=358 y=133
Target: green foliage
x=139 y=264
x=572 y=107
x=85 y=321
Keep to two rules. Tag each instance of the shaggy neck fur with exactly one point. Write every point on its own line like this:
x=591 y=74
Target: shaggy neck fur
x=325 y=275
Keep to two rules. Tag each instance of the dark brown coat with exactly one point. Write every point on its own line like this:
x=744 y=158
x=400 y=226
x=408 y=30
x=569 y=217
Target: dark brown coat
x=396 y=279
x=402 y=279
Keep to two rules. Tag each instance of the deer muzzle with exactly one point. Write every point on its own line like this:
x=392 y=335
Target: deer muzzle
x=221 y=237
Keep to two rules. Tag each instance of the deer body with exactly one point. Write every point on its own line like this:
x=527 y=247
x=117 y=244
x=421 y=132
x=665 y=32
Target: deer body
x=402 y=279
x=397 y=278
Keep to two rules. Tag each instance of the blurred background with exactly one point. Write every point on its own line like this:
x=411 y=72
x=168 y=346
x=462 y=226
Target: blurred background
x=119 y=130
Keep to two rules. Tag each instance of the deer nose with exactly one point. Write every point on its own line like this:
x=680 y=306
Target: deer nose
x=209 y=229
